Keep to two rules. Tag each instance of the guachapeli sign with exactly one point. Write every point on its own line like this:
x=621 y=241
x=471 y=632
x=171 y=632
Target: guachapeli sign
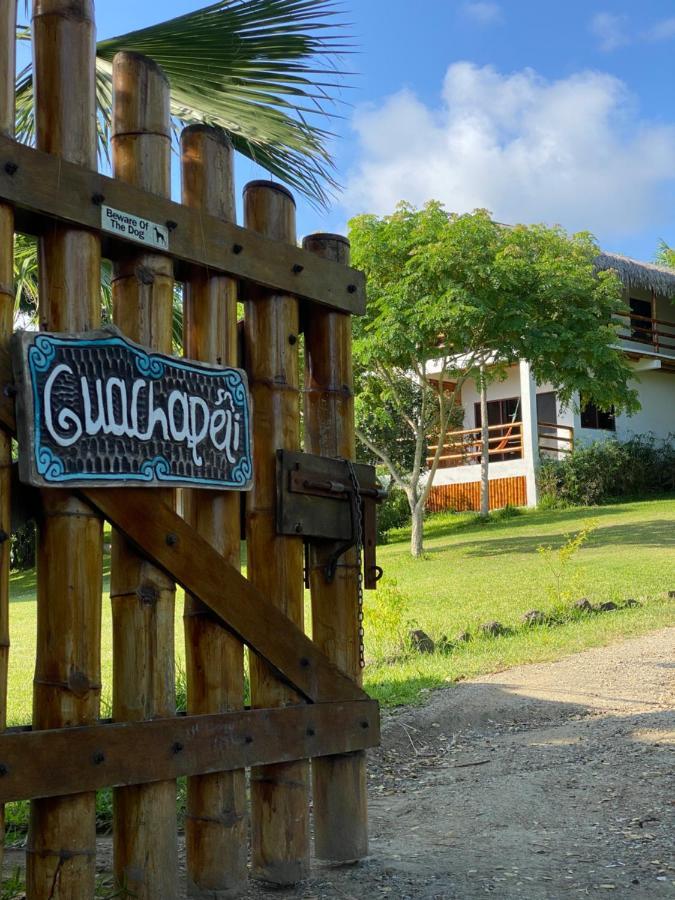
x=94 y=409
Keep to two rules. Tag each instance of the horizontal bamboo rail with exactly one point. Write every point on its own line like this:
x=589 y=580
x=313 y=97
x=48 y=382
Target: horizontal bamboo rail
x=107 y=754
x=43 y=188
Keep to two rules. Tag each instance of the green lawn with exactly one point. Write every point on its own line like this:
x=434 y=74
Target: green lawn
x=474 y=573
x=471 y=574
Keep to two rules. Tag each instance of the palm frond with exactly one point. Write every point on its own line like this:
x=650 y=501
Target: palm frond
x=259 y=69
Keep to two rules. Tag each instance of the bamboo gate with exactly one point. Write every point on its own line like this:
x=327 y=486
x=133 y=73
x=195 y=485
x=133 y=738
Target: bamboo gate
x=306 y=699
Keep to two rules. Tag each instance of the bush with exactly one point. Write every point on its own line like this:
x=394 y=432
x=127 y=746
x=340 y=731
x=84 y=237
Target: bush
x=386 y=622
x=609 y=470
x=393 y=513
x=22 y=548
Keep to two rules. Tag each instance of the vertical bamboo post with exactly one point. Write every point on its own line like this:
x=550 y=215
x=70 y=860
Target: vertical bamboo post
x=143 y=597
x=7 y=110
x=339 y=782
x=215 y=825
x=279 y=793
x=62 y=839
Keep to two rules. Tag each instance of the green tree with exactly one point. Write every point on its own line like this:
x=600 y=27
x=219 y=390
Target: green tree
x=453 y=297
x=665 y=255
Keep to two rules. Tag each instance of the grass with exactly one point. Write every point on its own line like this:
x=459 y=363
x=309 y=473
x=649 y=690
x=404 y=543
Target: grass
x=475 y=572
x=472 y=572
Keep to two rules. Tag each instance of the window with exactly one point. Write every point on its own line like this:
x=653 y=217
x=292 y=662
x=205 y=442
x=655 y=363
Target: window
x=641 y=325
x=592 y=417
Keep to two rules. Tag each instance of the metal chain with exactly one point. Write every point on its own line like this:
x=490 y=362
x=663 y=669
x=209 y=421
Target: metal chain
x=359 y=549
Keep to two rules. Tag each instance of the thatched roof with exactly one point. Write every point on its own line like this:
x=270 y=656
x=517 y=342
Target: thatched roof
x=633 y=273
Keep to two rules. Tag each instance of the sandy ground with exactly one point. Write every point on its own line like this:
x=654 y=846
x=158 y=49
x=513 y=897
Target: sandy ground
x=544 y=781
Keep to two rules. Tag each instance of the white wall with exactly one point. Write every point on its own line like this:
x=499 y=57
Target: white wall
x=509 y=468
x=657 y=396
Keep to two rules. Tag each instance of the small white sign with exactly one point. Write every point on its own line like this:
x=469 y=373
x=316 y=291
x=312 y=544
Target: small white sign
x=124 y=224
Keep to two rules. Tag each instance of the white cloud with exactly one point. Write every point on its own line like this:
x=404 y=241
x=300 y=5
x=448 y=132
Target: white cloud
x=483 y=13
x=572 y=151
x=662 y=31
x=610 y=30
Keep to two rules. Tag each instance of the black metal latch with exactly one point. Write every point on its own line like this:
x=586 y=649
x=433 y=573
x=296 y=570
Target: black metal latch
x=316 y=499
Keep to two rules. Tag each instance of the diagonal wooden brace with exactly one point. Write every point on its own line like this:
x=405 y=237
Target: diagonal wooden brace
x=188 y=559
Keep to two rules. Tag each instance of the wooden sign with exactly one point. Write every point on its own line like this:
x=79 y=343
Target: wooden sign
x=96 y=409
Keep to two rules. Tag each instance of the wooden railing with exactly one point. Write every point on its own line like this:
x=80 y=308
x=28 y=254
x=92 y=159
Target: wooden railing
x=554 y=438
x=465 y=447
x=657 y=333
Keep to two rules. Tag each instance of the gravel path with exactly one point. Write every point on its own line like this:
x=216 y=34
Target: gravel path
x=544 y=781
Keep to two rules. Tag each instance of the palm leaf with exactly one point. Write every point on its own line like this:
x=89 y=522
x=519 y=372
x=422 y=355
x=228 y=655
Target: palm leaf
x=259 y=69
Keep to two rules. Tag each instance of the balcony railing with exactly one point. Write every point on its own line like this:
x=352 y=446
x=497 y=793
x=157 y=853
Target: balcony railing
x=464 y=447
x=658 y=334
x=505 y=442
x=555 y=439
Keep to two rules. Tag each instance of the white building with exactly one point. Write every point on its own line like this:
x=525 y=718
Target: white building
x=527 y=423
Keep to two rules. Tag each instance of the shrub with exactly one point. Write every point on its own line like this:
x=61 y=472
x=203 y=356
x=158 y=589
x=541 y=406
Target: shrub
x=393 y=513
x=608 y=470
x=385 y=622
x=22 y=548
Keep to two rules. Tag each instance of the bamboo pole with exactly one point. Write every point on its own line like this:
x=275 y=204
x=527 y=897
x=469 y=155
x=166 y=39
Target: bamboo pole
x=279 y=794
x=62 y=838
x=143 y=597
x=7 y=112
x=339 y=782
x=215 y=824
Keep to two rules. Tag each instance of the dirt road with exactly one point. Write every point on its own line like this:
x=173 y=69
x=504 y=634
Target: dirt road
x=545 y=781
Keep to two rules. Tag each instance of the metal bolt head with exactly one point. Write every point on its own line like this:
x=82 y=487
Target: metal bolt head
x=171 y=539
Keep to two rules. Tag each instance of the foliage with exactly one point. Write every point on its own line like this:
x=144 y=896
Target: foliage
x=607 y=470
x=451 y=293
x=386 y=622
x=566 y=579
x=665 y=255
x=258 y=69
x=22 y=548
x=394 y=512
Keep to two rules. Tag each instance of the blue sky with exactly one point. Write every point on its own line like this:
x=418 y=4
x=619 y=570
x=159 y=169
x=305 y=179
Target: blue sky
x=539 y=111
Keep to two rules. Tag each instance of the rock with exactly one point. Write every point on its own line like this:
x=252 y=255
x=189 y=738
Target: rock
x=584 y=604
x=534 y=617
x=608 y=606
x=421 y=641
x=631 y=602
x=492 y=628
x=463 y=637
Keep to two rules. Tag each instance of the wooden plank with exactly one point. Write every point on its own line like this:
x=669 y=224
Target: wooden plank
x=7 y=116
x=280 y=842
x=142 y=597
x=175 y=546
x=61 y=851
x=216 y=821
x=339 y=782
x=245 y=610
x=43 y=188
x=126 y=753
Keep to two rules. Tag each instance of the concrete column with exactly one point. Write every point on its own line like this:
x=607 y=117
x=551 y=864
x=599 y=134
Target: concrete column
x=528 y=404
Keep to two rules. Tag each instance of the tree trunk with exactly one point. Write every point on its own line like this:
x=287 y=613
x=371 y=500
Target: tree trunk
x=485 y=448
x=417 y=531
